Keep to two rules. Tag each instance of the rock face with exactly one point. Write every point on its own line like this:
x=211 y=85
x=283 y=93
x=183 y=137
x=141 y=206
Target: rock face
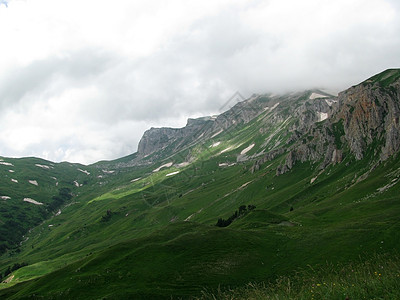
x=366 y=116
x=307 y=110
x=157 y=139
x=370 y=112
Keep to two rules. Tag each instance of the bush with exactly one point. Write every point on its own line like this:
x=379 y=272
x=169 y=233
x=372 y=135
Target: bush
x=107 y=216
x=242 y=211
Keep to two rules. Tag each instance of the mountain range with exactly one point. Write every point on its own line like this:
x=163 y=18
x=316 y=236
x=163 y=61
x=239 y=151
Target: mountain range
x=272 y=186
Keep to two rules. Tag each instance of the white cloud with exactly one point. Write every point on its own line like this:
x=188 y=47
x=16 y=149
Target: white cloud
x=82 y=80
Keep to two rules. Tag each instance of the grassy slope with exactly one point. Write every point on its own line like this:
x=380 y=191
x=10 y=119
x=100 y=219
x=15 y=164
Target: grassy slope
x=17 y=216
x=375 y=278
x=335 y=228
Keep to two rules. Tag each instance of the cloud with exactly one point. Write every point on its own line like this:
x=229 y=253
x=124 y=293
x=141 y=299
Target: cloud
x=81 y=81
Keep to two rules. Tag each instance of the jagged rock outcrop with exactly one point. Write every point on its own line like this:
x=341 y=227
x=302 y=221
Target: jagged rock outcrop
x=370 y=112
x=157 y=139
x=266 y=157
x=312 y=111
x=366 y=116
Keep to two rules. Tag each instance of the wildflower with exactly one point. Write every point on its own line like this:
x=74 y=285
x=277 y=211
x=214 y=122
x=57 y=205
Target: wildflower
x=318 y=284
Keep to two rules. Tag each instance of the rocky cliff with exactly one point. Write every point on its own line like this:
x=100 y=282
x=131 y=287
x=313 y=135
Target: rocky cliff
x=370 y=112
x=157 y=139
x=366 y=116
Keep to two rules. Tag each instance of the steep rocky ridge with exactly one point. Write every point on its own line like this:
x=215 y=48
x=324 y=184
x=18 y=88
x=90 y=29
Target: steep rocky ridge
x=370 y=112
x=157 y=139
x=157 y=143
x=366 y=115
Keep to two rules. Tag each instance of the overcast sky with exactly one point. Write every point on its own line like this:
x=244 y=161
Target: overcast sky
x=82 y=80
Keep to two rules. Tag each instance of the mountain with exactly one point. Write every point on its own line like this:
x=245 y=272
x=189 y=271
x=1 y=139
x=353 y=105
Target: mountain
x=277 y=184
x=31 y=191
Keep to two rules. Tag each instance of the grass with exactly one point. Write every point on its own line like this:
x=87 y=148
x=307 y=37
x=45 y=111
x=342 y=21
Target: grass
x=167 y=262
x=331 y=232
x=376 y=278
x=165 y=253
x=386 y=78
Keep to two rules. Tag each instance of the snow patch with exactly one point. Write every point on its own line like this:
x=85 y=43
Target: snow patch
x=32 y=201
x=226 y=150
x=215 y=144
x=316 y=95
x=226 y=164
x=5 y=197
x=34 y=182
x=77 y=183
x=84 y=171
x=245 y=150
x=330 y=101
x=108 y=172
x=58 y=213
x=173 y=173
x=322 y=116
x=167 y=165
x=14 y=180
x=275 y=106
x=245 y=184
x=215 y=134
x=11 y=171
x=6 y=163
x=42 y=166
x=188 y=218
x=184 y=164
x=136 y=179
